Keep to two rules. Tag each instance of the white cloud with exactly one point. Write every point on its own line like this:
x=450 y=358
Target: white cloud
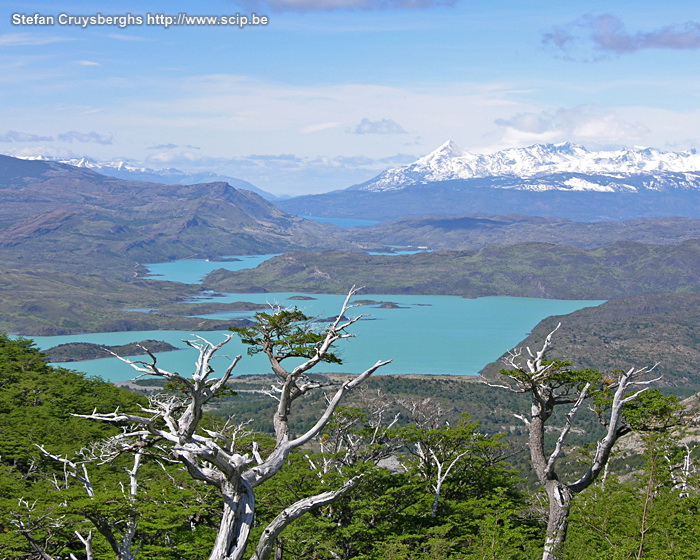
x=384 y=126
x=70 y=137
x=584 y=124
x=180 y=157
x=83 y=137
x=319 y=127
x=172 y=147
x=29 y=39
x=15 y=136
x=88 y=63
x=226 y=114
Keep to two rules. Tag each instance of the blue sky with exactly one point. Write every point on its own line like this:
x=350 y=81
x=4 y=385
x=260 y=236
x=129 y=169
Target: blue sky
x=331 y=92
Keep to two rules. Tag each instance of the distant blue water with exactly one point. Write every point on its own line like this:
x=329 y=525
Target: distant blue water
x=342 y=222
x=399 y=252
x=194 y=271
x=426 y=334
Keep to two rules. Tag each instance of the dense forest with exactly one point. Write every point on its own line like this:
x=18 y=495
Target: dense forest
x=402 y=469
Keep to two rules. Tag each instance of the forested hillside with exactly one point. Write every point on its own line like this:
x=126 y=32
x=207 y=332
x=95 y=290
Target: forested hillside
x=447 y=479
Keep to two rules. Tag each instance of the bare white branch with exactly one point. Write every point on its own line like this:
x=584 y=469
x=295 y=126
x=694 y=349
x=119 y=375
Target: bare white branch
x=171 y=425
x=273 y=530
x=565 y=430
x=550 y=387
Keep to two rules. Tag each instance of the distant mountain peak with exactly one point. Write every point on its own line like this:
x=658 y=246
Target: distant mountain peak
x=82 y=162
x=449 y=149
x=449 y=162
x=570 y=148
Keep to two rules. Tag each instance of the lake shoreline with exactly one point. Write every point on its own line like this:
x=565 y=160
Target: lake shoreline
x=422 y=334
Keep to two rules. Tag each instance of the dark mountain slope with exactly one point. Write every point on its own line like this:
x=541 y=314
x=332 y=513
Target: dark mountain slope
x=65 y=217
x=641 y=331
x=486 y=196
x=477 y=231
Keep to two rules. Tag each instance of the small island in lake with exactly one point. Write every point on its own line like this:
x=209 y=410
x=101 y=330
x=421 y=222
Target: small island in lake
x=380 y=304
x=80 y=351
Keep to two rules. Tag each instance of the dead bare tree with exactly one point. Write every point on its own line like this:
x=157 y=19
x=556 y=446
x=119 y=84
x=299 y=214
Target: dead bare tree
x=119 y=534
x=28 y=523
x=551 y=384
x=681 y=473
x=214 y=456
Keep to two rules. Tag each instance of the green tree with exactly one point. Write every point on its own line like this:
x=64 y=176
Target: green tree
x=229 y=459
x=551 y=384
x=44 y=511
x=283 y=334
x=651 y=513
x=389 y=514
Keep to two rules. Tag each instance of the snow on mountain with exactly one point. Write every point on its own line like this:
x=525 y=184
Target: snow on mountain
x=88 y=163
x=450 y=162
x=168 y=176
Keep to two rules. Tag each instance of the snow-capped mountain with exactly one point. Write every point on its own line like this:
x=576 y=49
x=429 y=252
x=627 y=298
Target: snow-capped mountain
x=169 y=176
x=549 y=167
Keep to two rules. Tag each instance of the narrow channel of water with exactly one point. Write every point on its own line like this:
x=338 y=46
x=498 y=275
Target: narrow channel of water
x=421 y=334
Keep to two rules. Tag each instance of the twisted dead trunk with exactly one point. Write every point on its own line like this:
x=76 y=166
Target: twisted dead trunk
x=559 y=497
x=238 y=517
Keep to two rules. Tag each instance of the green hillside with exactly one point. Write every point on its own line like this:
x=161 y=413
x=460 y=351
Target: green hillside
x=619 y=270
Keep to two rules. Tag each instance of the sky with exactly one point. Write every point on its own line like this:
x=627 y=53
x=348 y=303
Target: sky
x=319 y=95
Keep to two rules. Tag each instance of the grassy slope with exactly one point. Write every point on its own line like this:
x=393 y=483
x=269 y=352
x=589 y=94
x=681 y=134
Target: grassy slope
x=41 y=302
x=619 y=270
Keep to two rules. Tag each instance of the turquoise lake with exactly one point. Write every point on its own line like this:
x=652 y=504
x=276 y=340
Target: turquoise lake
x=426 y=334
x=194 y=271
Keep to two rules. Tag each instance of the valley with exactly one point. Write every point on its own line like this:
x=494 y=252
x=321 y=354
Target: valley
x=350 y=280
x=74 y=242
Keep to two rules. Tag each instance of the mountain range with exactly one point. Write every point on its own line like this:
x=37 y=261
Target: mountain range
x=53 y=215
x=554 y=180
x=571 y=182
x=169 y=176
x=534 y=166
